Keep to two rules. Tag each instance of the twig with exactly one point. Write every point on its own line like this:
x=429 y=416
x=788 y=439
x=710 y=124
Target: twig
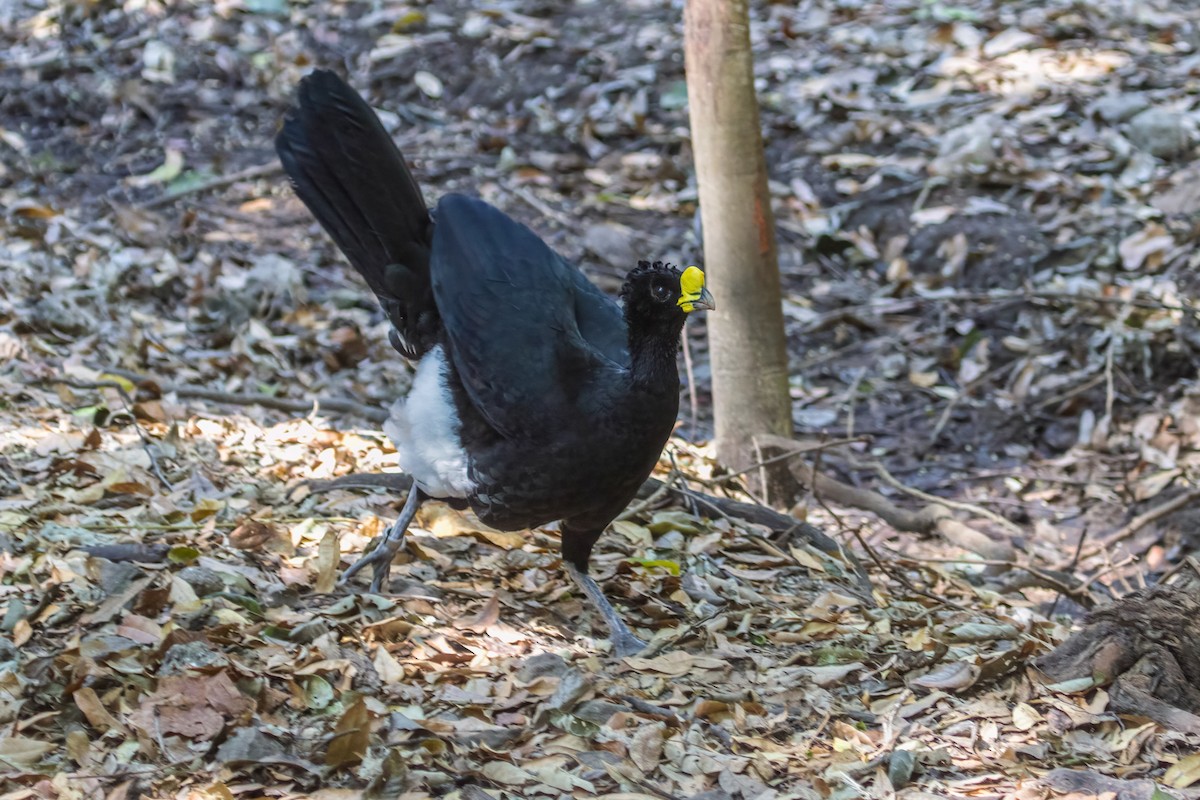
x=1074 y=391
x=862 y=542
x=1061 y=582
x=969 y=508
x=693 y=397
x=1145 y=518
x=645 y=707
x=796 y=450
x=1129 y=559
x=658 y=494
x=395 y=482
x=888 y=305
x=1108 y=378
x=543 y=209
x=851 y=394
x=246 y=399
x=220 y=182
x=934 y=517
x=964 y=391
x=781 y=525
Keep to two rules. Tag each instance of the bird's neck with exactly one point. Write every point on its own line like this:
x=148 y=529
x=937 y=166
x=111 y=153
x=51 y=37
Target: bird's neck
x=652 y=348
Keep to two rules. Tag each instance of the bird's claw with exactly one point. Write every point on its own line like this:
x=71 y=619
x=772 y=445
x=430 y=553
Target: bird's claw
x=379 y=559
x=627 y=644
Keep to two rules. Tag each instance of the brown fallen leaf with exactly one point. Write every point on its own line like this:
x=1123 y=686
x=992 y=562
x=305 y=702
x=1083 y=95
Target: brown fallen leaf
x=252 y=534
x=195 y=706
x=327 y=562
x=488 y=616
x=97 y=715
x=647 y=747
x=503 y=772
x=352 y=735
x=675 y=663
x=954 y=677
x=20 y=752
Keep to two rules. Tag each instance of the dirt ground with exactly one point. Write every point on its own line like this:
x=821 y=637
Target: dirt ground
x=986 y=214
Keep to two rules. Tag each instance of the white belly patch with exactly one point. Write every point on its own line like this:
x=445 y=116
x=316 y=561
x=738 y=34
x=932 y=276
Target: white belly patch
x=424 y=427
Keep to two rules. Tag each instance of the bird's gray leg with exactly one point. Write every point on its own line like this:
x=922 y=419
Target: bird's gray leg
x=380 y=558
x=624 y=643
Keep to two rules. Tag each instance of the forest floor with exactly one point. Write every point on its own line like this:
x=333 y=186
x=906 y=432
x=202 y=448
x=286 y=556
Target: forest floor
x=987 y=225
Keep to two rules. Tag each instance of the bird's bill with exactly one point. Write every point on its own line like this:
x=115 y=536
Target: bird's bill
x=704 y=302
x=692 y=294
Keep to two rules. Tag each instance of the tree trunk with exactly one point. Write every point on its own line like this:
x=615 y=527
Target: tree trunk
x=746 y=338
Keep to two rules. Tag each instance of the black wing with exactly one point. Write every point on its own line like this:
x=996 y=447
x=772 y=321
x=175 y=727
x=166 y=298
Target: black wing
x=531 y=338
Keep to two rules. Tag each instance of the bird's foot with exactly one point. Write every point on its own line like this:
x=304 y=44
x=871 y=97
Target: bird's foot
x=625 y=644
x=379 y=559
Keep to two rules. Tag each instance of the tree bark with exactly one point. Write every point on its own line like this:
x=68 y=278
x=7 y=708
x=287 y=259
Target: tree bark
x=746 y=337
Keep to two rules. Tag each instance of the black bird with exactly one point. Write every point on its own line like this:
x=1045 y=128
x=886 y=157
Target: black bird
x=536 y=397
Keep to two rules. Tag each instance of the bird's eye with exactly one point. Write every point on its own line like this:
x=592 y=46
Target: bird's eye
x=659 y=291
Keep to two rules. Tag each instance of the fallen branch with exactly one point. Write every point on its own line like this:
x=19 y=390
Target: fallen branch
x=219 y=182
x=934 y=517
x=338 y=405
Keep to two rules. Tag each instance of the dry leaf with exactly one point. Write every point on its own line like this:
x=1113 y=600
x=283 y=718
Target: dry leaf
x=351 y=736
x=675 y=663
x=1183 y=773
x=953 y=677
x=97 y=715
x=19 y=752
x=505 y=773
x=328 y=557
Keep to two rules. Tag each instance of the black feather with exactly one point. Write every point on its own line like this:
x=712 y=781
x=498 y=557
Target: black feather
x=347 y=170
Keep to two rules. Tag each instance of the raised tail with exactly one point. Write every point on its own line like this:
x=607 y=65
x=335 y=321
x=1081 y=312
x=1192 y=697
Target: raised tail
x=349 y=173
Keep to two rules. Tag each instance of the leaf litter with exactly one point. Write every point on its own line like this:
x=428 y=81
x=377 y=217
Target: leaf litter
x=985 y=227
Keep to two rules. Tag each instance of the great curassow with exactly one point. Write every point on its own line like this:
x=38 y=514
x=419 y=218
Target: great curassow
x=536 y=397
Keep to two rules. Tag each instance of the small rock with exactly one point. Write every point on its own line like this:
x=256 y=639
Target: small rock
x=1162 y=133
x=190 y=655
x=541 y=665
x=571 y=687
x=599 y=711
x=203 y=580
x=249 y=746
x=1118 y=108
x=900 y=768
x=476 y=26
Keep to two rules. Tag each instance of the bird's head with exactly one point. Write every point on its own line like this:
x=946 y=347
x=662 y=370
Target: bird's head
x=664 y=292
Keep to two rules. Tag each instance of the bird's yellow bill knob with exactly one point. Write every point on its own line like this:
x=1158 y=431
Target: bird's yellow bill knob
x=692 y=294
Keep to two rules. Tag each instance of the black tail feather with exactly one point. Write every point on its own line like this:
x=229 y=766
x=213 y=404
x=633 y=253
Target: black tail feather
x=349 y=173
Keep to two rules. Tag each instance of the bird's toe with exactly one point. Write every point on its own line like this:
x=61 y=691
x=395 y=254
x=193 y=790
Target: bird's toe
x=628 y=645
